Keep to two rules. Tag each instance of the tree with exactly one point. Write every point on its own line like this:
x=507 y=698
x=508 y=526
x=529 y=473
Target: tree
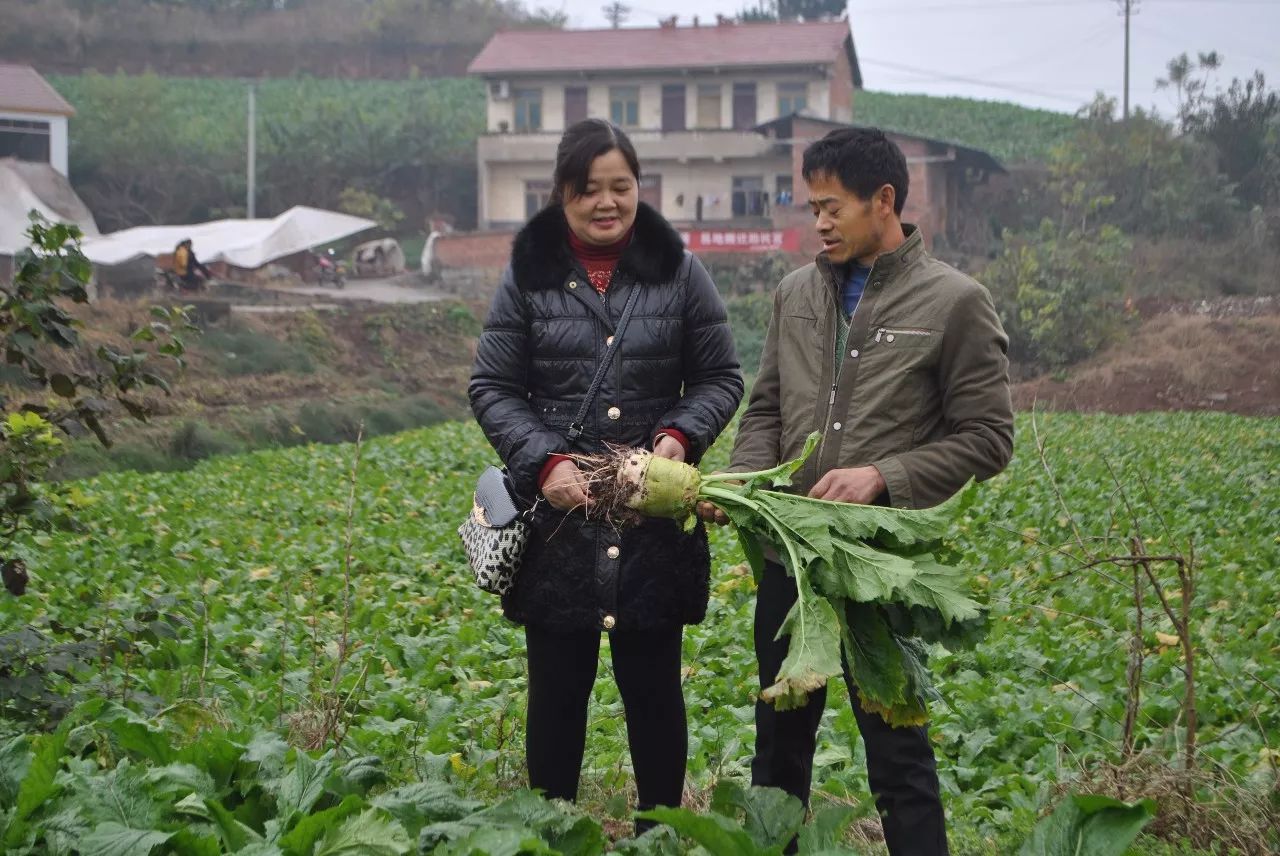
x=810 y=10
x=1156 y=182
x=51 y=386
x=1243 y=124
x=1060 y=291
x=765 y=11
x=1190 y=88
x=616 y=13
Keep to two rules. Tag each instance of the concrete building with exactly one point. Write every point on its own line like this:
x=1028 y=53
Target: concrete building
x=33 y=118
x=691 y=99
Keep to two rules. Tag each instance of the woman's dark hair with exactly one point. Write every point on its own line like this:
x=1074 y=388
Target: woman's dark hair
x=863 y=159
x=581 y=144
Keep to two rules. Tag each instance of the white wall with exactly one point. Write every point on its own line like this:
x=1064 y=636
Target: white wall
x=58 y=141
x=713 y=181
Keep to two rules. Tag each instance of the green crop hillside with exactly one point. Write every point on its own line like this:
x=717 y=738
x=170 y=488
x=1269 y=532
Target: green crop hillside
x=1011 y=133
x=203 y=622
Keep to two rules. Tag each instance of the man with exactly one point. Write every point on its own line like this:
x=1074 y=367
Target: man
x=185 y=265
x=899 y=360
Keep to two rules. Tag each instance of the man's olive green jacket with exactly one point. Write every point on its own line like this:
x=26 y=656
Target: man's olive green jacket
x=920 y=388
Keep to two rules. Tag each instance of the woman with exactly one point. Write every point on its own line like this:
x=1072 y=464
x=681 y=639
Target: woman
x=673 y=385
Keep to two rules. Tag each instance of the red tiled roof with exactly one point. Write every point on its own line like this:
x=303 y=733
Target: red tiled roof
x=716 y=46
x=23 y=90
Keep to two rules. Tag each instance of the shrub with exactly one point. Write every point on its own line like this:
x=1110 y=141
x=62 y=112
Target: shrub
x=1060 y=295
x=195 y=441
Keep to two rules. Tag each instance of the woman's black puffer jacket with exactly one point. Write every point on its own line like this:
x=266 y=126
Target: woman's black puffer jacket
x=675 y=368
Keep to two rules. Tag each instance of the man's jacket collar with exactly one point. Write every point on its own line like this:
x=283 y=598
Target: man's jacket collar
x=886 y=265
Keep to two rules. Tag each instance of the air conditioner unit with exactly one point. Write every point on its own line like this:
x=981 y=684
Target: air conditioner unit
x=500 y=90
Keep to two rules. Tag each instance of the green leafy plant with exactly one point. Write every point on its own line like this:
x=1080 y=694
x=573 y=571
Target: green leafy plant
x=867 y=578
x=1083 y=823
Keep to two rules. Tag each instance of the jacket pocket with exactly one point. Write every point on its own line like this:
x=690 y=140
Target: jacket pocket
x=906 y=337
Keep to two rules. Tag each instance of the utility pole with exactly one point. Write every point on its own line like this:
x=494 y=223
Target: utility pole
x=253 y=149
x=1130 y=8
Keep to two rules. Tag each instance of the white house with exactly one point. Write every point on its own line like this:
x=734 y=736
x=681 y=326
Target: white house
x=33 y=118
x=691 y=99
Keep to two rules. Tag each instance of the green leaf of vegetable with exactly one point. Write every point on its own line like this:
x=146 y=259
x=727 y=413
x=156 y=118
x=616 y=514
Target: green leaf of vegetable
x=114 y=839
x=1096 y=825
x=367 y=834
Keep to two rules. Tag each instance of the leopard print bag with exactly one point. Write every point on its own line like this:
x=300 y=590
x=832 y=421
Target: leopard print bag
x=495 y=533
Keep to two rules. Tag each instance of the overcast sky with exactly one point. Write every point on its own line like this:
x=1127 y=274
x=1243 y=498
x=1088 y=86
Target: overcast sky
x=1045 y=53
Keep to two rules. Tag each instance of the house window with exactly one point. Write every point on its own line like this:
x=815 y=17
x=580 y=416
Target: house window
x=25 y=140
x=792 y=98
x=784 y=195
x=708 y=106
x=624 y=105
x=528 y=110
x=749 y=197
x=744 y=106
x=575 y=104
x=673 y=107
x=536 y=196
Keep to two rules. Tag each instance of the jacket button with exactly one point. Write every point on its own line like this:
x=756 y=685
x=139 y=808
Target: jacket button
x=854 y=353
x=837 y=426
x=615 y=413
x=573 y=283
x=608 y=622
x=889 y=338
x=608 y=342
x=613 y=552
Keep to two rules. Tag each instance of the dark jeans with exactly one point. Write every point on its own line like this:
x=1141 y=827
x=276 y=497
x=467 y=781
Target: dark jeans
x=900 y=763
x=562 y=670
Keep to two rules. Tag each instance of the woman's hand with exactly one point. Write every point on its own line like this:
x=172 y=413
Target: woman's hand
x=565 y=487
x=668 y=447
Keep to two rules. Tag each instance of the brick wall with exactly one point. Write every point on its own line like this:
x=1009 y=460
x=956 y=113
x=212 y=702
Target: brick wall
x=484 y=250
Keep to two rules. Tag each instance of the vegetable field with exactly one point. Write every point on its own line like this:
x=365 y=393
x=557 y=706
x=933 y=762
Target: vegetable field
x=205 y=622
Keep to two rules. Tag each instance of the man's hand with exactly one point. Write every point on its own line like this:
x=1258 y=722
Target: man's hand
x=711 y=513
x=565 y=487
x=669 y=447
x=857 y=484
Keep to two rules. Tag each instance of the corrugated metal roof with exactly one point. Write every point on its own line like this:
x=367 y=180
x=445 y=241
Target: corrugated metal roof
x=634 y=49
x=23 y=90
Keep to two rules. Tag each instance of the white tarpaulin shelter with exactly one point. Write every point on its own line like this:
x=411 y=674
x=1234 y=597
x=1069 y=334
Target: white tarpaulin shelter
x=243 y=243
x=26 y=186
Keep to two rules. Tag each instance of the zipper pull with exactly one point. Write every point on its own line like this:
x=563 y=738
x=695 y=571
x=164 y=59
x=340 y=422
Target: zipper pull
x=832 y=400
x=879 y=333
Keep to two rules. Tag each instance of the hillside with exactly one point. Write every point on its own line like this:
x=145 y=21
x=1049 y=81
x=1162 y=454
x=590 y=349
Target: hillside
x=1012 y=133
x=1235 y=343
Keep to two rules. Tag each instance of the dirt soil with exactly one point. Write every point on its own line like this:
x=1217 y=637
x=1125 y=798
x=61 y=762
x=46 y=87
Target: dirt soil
x=1222 y=354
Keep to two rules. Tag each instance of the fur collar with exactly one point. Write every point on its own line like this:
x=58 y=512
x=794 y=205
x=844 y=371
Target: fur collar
x=540 y=255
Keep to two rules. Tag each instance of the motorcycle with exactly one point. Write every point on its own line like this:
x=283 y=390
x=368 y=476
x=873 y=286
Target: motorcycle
x=329 y=270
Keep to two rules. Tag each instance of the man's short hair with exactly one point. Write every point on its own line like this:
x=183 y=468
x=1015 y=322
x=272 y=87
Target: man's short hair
x=863 y=159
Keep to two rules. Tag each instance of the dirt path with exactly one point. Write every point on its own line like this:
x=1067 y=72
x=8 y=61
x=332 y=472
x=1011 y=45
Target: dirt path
x=370 y=290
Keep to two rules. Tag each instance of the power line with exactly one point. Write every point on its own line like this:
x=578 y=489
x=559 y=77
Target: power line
x=972 y=81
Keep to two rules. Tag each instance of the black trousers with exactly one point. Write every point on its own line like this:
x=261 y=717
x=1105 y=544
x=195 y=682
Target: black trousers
x=900 y=764
x=562 y=670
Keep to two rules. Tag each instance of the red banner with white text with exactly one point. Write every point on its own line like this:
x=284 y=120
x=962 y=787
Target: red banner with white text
x=712 y=240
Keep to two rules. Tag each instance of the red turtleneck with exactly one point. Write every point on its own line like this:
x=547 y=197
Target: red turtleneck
x=599 y=260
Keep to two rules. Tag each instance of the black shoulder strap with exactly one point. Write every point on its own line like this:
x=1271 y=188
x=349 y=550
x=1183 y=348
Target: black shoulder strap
x=575 y=427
